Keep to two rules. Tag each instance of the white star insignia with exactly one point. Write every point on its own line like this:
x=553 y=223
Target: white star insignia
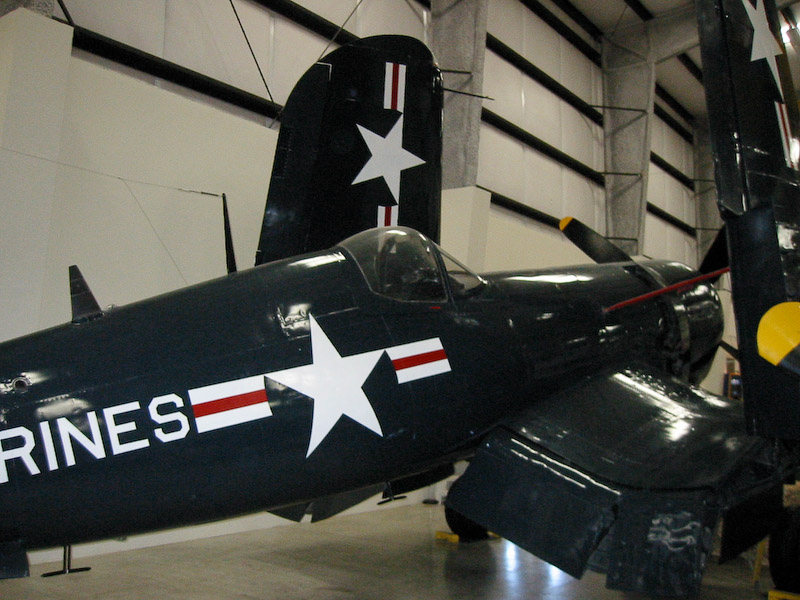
x=388 y=157
x=764 y=43
x=334 y=383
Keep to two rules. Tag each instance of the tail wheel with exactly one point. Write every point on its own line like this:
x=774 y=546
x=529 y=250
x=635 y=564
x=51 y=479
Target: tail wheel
x=784 y=552
x=467 y=530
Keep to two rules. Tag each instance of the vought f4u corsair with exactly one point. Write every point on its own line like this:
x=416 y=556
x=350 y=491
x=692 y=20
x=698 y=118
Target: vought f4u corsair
x=327 y=374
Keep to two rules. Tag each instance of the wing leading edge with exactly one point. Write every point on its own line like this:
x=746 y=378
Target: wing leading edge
x=626 y=472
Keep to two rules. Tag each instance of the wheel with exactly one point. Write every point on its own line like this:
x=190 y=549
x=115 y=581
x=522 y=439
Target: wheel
x=784 y=552
x=467 y=530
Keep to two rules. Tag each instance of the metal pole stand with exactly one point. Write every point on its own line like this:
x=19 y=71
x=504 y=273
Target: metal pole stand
x=66 y=565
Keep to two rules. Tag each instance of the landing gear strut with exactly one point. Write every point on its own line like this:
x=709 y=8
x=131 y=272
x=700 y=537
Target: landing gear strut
x=467 y=530
x=784 y=551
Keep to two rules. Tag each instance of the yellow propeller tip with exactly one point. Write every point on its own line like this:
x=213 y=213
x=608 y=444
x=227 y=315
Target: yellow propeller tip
x=562 y=224
x=779 y=332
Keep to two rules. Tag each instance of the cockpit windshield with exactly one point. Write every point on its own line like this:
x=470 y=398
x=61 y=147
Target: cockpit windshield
x=401 y=263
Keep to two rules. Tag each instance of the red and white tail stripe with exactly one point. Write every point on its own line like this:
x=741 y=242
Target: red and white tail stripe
x=394 y=92
x=786 y=134
x=387 y=216
x=229 y=403
x=419 y=359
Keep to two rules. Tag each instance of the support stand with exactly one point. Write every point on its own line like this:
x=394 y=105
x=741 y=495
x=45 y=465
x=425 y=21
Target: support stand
x=66 y=565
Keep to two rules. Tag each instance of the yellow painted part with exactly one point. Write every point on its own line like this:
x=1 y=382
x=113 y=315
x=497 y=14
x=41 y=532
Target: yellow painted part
x=447 y=537
x=779 y=595
x=759 y=564
x=562 y=224
x=779 y=331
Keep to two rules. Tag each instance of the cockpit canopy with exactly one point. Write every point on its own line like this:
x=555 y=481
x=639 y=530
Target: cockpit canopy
x=403 y=264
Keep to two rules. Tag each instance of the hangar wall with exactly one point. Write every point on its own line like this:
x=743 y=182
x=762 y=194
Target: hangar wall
x=119 y=157
x=206 y=37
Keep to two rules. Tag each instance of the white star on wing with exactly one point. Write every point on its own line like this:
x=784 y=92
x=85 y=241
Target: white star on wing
x=388 y=157
x=334 y=383
x=764 y=43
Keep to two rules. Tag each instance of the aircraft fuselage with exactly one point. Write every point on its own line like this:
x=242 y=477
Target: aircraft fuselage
x=293 y=381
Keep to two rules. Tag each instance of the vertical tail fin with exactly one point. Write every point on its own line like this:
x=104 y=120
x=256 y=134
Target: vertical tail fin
x=751 y=109
x=359 y=146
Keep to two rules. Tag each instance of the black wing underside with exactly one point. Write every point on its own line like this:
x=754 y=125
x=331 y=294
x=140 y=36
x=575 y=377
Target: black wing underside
x=627 y=472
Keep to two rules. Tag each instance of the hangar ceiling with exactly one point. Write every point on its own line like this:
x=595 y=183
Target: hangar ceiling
x=680 y=76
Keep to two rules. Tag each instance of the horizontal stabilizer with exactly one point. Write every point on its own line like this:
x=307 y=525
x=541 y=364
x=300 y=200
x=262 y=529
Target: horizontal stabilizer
x=84 y=305
x=634 y=467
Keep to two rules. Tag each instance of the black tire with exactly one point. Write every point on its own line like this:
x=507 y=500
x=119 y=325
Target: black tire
x=467 y=530
x=784 y=552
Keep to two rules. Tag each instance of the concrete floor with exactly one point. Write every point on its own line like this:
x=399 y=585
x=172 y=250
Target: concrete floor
x=384 y=555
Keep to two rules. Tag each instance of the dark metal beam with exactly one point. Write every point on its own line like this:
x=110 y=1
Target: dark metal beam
x=563 y=30
x=640 y=9
x=673 y=103
x=672 y=171
x=673 y=123
x=311 y=21
x=690 y=65
x=671 y=219
x=581 y=19
x=521 y=209
x=528 y=212
x=129 y=56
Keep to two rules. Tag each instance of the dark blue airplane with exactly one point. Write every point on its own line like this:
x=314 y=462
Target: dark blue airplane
x=335 y=370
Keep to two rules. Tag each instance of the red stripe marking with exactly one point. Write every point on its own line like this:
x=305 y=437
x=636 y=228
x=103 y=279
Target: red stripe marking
x=387 y=216
x=395 y=84
x=419 y=359
x=784 y=127
x=670 y=288
x=230 y=403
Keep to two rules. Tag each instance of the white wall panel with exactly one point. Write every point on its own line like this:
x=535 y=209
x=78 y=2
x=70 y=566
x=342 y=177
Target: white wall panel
x=578 y=73
x=544 y=186
x=655 y=238
x=671 y=195
x=548 y=186
x=294 y=51
x=127 y=150
x=542 y=112
x=139 y=24
x=584 y=200
x=503 y=83
x=656 y=187
x=504 y=21
x=664 y=241
x=541 y=44
x=672 y=147
x=501 y=163
x=581 y=138
x=524 y=244
x=206 y=37
x=377 y=17
x=336 y=12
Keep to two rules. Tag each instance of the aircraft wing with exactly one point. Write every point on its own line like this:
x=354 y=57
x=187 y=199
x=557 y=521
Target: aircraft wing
x=626 y=472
